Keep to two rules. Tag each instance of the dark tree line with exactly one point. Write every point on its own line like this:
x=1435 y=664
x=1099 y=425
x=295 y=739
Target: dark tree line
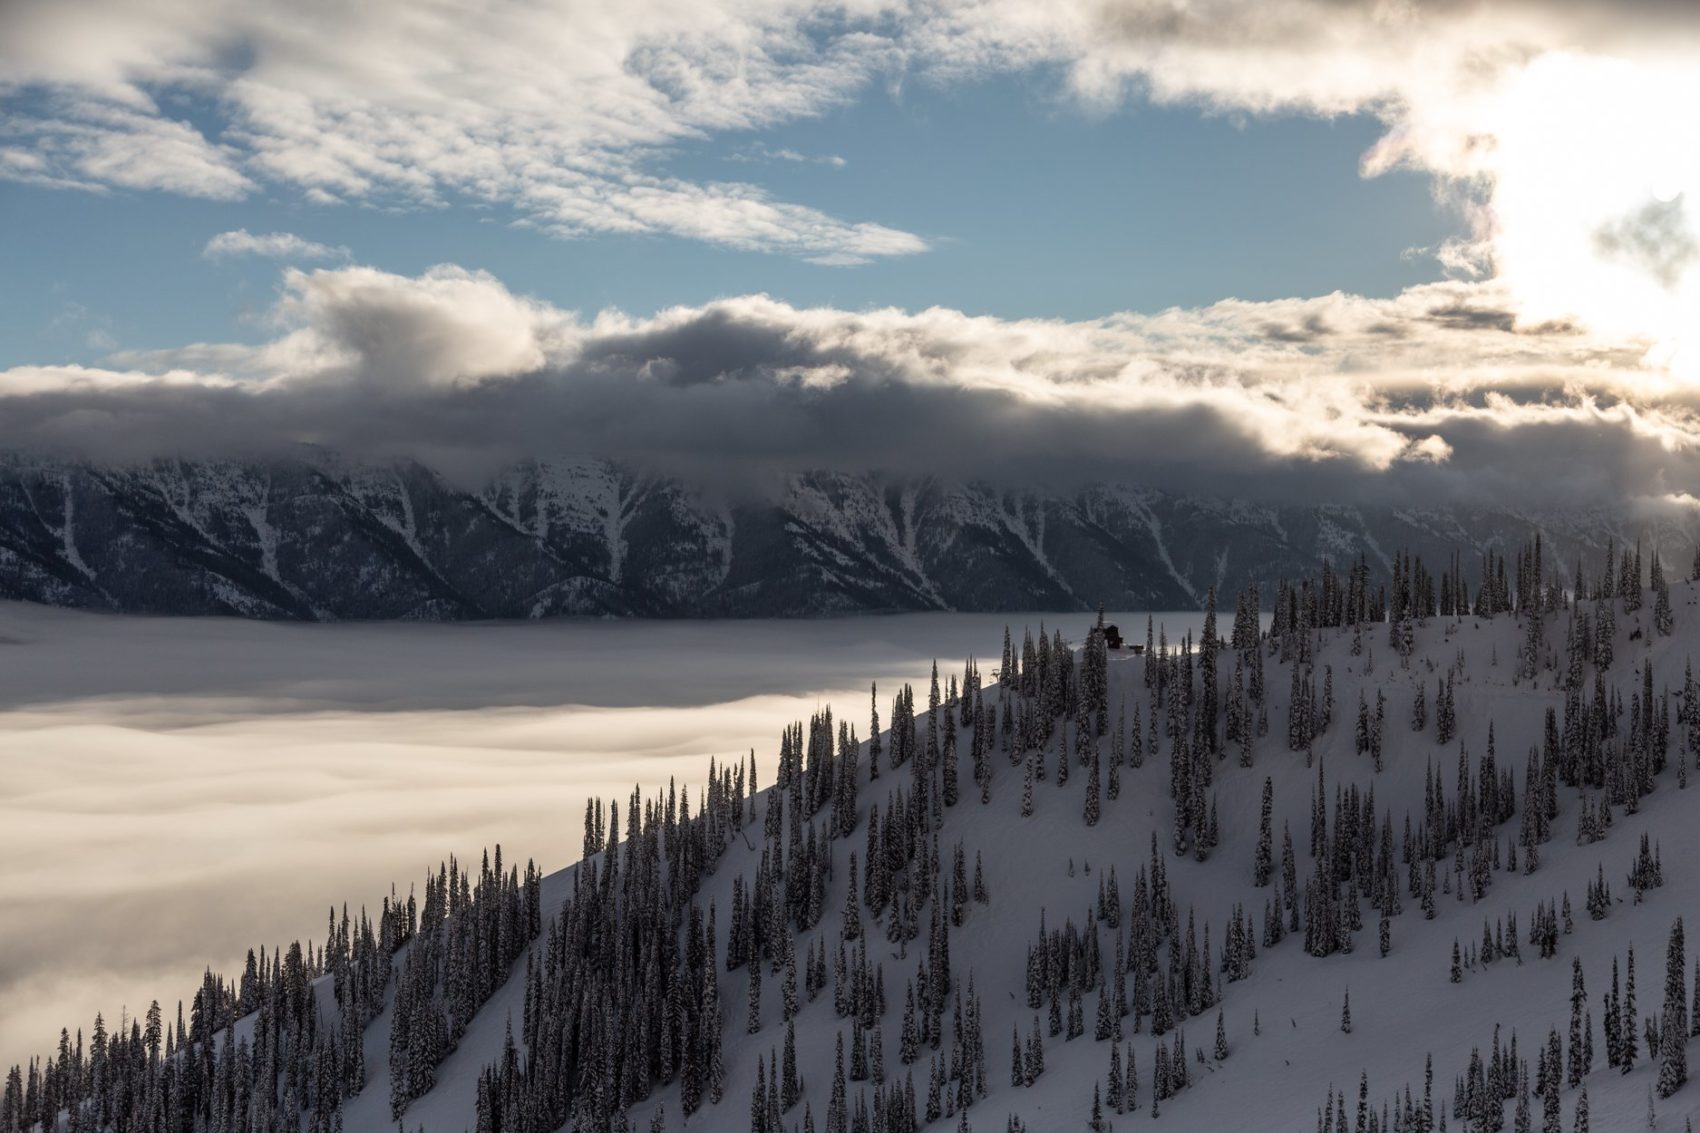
x=268 y=1051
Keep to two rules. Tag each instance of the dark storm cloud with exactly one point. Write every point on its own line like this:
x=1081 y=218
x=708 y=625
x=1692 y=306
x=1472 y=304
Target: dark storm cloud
x=1460 y=316
x=1313 y=327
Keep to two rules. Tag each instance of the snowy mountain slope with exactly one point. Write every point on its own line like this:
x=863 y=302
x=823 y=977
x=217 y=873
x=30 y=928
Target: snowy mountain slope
x=317 y=537
x=1404 y=1006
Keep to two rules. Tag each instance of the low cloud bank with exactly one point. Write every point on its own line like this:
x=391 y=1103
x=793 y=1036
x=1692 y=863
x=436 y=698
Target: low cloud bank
x=1441 y=390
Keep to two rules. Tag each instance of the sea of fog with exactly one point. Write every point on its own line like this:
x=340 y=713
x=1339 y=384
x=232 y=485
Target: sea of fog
x=175 y=791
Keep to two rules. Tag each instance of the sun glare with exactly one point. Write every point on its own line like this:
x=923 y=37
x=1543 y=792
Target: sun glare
x=1593 y=163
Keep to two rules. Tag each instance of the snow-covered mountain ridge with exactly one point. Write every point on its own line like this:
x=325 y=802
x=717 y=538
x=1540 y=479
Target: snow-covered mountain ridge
x=315 y=537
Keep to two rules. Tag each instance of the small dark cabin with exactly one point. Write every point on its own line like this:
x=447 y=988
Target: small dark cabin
x=1112 y=637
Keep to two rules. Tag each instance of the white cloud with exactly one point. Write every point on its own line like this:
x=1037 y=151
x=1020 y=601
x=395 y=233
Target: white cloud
x=759 y=153
x=1435 y=391
x=1564 y=130
x=274 y=245
x=447 y=327
x=82 y=142
x=32 y=381
x=555 y=108
x=1546 y=119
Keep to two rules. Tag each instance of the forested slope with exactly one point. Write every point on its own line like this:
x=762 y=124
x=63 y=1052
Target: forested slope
x=1390 y=852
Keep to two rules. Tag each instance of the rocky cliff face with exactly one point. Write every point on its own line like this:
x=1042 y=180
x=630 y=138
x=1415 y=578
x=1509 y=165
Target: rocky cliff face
x=316 y=537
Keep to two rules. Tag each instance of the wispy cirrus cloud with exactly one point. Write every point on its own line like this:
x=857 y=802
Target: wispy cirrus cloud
x=98 y=144
x=560 y=110
x=1549 y=121
x=272 y=245
x=757 y=153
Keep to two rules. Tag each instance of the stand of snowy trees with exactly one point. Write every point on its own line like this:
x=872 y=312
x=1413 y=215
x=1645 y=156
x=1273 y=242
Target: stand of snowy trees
x=282 y=1047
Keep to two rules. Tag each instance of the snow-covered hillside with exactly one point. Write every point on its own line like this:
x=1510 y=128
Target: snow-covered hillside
x=632 y=1003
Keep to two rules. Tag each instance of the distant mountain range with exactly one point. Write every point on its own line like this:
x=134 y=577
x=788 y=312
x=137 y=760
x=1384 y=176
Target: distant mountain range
x=319 y=537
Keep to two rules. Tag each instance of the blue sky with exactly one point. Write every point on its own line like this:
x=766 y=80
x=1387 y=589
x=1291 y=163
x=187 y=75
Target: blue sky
x=1162 y=242
x=1031 y=205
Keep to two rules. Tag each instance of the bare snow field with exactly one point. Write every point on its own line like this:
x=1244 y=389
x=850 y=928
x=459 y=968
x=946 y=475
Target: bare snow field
x=177 y=790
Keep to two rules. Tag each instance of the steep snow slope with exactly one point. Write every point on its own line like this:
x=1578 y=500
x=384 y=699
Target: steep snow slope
x=1404 y=1006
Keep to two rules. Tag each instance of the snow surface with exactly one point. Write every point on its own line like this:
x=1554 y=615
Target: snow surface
x=178 y=790
x=1403 y=1006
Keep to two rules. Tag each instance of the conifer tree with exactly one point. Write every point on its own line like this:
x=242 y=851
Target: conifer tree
x=1113 y=1080
x=1091 y=807
x=1629 y=1050
x=1264 y=864
x=1580 y=1056
x=1673 y=1022
x=791 y=1088
x=1034 y=1060
x=1663 y=620
x=754 y=1018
